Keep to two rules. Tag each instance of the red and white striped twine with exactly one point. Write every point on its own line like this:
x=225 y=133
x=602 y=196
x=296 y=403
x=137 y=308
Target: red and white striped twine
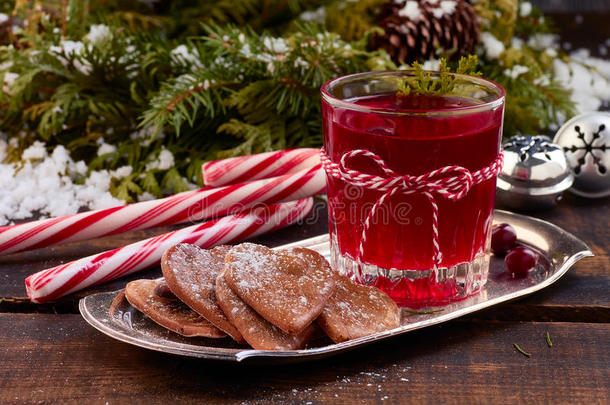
x=450 y=182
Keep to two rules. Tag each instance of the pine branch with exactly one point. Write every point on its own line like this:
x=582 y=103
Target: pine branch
x=180 y=78
x=260 y=78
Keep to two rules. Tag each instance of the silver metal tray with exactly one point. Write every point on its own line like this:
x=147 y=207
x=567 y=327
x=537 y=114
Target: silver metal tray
x=559 y=251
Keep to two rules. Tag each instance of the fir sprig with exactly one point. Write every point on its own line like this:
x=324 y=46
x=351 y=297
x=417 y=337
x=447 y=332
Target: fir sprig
x=146 y=78
x=266 y=87
x=429 y=83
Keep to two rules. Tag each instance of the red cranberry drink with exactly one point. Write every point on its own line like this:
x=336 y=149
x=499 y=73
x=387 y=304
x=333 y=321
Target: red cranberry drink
x=428 y=145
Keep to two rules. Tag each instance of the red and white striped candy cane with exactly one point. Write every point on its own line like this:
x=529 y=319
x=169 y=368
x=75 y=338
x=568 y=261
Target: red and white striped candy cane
x=50 y=284
x=258 y=166
x=194 y=205
x=451 y=182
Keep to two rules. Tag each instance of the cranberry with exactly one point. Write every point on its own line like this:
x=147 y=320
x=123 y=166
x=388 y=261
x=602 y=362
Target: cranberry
x=520 y=260
x=503 y=239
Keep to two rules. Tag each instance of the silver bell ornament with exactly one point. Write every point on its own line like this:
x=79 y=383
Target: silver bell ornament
x=534 y=175
x=585 y=139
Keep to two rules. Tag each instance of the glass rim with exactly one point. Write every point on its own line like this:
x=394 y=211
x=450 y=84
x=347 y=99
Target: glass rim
x=337 y=102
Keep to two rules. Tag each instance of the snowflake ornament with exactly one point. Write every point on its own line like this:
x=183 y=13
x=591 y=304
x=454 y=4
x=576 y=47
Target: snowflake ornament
x=588 y=148
x=530 y=146
x=585 y=139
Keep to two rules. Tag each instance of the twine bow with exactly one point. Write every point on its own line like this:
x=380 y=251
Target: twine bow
x=450 y=182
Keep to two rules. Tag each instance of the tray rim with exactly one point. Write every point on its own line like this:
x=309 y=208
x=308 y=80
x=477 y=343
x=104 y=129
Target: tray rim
x=239 y=355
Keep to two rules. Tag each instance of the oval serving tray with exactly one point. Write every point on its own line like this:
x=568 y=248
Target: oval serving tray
x=112 y=315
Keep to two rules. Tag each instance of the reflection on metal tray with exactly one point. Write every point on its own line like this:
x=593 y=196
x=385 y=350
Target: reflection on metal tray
x=111 y=314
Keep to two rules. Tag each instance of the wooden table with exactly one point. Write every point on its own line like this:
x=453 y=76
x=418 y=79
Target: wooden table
x=49 y=354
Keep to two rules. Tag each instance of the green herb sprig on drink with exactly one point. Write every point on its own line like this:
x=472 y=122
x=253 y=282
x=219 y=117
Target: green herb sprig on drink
x=428 y=83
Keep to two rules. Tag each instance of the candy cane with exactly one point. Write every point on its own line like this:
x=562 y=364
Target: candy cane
x=259 y=166
x=193 y=205
x=50 y=284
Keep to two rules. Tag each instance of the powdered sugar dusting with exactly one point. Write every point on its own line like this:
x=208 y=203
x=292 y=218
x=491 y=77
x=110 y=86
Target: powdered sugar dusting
x=356 y=310
x=191 y=274
x=193 y=268
x=287 y=287
x=258 y=332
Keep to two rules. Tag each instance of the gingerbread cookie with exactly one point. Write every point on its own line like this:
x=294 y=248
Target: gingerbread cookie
x=153 y=298
x=356 y=310
x=259 y=333
x=191 y=273
x=287 y=287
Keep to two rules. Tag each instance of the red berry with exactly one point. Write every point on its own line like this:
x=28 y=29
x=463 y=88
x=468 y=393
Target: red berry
x=520 y=260
x=503 y=239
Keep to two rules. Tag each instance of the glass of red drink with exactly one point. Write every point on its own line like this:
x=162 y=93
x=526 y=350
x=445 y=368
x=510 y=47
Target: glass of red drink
x=413 y=134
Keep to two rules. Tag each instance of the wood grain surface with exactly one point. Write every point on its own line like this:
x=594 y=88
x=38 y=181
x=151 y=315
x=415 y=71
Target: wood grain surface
x=60 y=359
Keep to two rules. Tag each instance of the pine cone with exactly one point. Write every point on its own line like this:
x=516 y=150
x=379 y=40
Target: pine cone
x=420 y=29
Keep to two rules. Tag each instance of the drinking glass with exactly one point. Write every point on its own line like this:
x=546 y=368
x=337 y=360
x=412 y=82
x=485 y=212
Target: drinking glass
x=412 y=134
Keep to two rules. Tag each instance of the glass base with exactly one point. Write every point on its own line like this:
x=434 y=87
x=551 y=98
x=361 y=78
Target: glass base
x=418 y=288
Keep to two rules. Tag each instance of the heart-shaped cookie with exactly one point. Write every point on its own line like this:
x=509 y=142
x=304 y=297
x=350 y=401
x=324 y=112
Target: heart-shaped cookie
x=356 y=310
x=191 y=273
x=286 y=287
x=259 y=333
x=153 y=298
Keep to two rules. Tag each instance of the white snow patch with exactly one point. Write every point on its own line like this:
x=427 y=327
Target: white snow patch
x=445 y=7
x=411 y=10
x=36 y=151
x=164 y=161
x=525 y=9
x=9 y=79
x=516 y=71
x=275 y=45
x=316 y=16
x=432 y=64
x=543 y=41
x=98 y=33
x=182 y=55
x=105 y=148
x=121 y=172
x=589 y=88
x=67 y=50
x=492 y=45
x=44 y=185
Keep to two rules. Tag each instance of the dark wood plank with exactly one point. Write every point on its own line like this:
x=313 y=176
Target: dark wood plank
x=57 y=358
